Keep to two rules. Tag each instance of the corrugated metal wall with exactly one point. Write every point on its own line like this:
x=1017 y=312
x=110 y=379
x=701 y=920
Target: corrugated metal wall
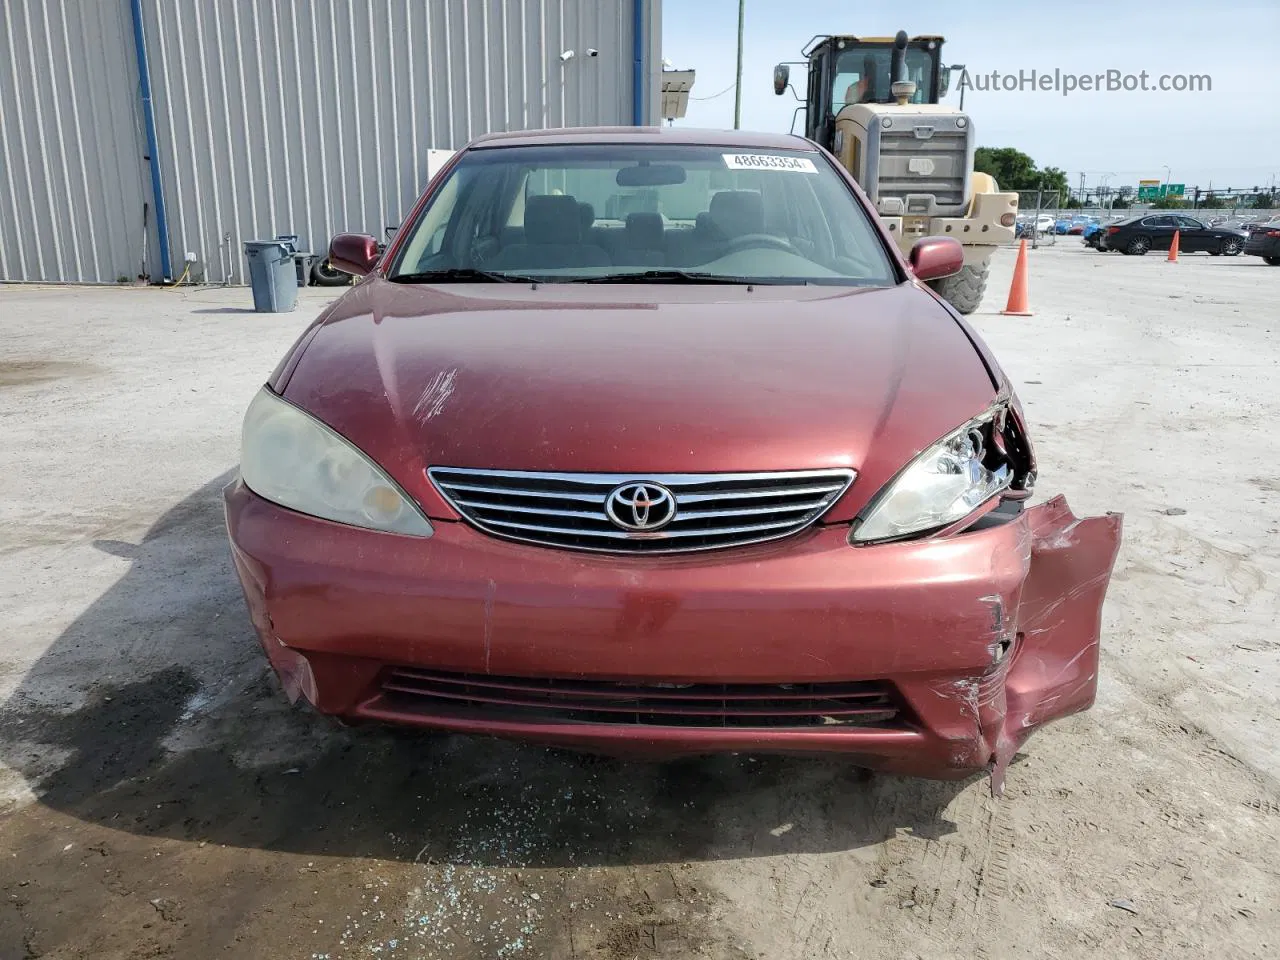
x=282 y=116
x=72 y=169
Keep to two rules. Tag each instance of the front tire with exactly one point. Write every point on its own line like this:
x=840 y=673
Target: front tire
x=323 y=275
x=1138 y=247
x=963 y=290
x=1271 y=261
x=1231 y=247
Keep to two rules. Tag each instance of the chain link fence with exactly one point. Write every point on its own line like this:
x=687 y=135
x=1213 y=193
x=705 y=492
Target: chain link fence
x=1037 y=212
x=1040 y=210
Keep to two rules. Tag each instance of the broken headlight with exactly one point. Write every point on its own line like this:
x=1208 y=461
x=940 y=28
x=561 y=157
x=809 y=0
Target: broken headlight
x=945 y=483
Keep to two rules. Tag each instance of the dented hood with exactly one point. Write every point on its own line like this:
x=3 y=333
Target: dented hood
x=638 y=378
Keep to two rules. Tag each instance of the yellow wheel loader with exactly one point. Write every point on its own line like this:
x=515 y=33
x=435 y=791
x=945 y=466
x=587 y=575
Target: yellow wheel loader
x=873 y=102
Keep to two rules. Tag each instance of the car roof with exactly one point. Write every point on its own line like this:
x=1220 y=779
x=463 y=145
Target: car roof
x=738 y=139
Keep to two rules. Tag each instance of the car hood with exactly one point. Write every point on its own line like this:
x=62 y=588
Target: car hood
x=638 y=378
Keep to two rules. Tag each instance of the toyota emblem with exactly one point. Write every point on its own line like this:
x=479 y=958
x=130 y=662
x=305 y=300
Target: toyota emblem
x=641 y=507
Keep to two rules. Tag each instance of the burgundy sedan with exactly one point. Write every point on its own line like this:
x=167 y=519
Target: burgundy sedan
x=647 y=441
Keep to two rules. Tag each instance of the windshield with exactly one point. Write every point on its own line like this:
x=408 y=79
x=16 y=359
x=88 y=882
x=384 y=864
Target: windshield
x=862 y=75
x=576 y=212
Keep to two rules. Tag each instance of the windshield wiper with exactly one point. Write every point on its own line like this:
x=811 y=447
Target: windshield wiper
x=460 y=275
x=672 y=276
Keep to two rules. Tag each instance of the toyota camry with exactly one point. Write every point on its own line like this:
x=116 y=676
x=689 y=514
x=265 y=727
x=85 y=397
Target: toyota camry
x=648 y=442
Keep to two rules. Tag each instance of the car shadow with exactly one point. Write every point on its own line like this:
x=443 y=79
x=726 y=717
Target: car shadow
x=181 y=732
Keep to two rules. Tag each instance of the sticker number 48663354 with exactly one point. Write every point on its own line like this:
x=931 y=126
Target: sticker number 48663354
x=767 y=161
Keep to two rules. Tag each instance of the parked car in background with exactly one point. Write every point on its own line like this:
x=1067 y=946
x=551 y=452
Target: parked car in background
x=1044 y=223
x=586 y=481
x=1137 y=235
x=1264 y=242
x=1078 y=224
x=1062 y=225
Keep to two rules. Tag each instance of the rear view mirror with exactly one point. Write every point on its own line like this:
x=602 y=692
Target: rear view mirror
x=353 y=253
x=650 y=175
x=781 y=77
x=933 y=258
x=944 y=82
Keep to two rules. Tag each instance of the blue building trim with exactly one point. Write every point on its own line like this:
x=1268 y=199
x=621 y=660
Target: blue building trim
x=638 y=25
x=149 y=121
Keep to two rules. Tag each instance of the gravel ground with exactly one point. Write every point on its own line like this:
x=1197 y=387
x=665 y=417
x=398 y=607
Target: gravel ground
x=158 y=798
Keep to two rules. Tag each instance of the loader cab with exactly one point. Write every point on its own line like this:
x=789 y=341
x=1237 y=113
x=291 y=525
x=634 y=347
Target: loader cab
x=845 y=70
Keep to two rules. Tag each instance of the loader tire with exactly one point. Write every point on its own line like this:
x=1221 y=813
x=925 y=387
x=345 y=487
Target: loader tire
x=963 y=290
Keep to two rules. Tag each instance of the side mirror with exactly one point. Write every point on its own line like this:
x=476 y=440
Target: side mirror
x=781 y=77
x=933 y=258
x=353 y=253
x=944 y=82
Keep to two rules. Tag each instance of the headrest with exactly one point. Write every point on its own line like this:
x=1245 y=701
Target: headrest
x=737 y=212
x=551 y=218
x=586 y=214
x=645 y=231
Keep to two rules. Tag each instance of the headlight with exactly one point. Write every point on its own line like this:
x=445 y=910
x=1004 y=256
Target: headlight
x=946 y=483
x=296 y=461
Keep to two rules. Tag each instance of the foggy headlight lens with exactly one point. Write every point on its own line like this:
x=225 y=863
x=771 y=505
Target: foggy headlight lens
x=294 y=460
x=944 y=484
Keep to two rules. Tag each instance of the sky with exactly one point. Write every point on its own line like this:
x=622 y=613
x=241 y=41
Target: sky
x=1228 y=136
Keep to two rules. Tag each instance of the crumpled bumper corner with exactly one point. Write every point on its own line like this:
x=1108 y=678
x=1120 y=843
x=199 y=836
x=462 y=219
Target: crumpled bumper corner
x=1053 y=670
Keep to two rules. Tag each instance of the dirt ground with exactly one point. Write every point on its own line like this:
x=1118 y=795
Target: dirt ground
x=158 y=798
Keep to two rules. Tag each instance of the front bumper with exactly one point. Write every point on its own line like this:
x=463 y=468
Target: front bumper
x=982 y=636
x=979 y=233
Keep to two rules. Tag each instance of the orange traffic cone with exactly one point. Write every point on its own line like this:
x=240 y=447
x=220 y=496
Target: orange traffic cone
x=1173 y=249
x=1018 y=305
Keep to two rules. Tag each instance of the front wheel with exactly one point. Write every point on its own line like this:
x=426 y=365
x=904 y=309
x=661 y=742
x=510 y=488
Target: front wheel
x=963 y=290
x=1138 y=246
x=1271 y=261
x=1231 y=247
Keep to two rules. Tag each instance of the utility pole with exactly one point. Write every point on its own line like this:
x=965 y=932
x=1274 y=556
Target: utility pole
x=737 y=93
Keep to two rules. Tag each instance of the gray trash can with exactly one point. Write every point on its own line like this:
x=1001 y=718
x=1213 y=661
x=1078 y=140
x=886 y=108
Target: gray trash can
x=272 y=275
x=302 y=262
x=302 y=259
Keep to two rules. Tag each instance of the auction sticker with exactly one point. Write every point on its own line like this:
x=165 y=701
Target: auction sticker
x=767 y=161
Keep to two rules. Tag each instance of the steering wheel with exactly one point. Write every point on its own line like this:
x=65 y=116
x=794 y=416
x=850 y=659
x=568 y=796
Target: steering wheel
x=752 y=240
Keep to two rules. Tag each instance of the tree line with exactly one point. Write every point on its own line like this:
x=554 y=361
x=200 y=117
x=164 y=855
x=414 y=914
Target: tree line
x=1015 y=170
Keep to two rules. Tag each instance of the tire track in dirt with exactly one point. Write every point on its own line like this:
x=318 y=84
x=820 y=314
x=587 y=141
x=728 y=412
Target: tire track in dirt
x=944 y=879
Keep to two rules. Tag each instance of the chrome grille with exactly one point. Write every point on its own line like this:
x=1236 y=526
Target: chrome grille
x=712 y=510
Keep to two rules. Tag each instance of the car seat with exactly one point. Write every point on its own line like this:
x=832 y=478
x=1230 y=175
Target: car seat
x=553 y=237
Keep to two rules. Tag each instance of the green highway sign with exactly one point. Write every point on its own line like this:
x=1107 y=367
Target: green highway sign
x=1158 y=191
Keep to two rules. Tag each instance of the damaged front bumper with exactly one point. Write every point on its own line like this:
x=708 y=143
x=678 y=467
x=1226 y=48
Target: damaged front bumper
x=980 y=232
x=975 y=639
